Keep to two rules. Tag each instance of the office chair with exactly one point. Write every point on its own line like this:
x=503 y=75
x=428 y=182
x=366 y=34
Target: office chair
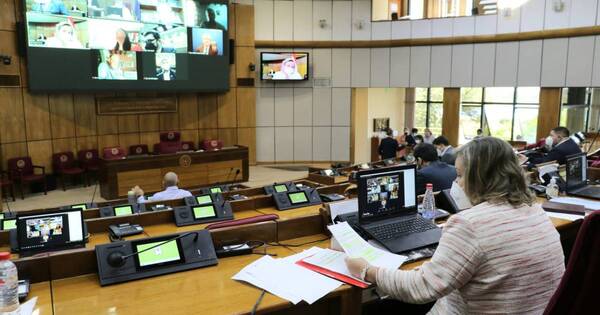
x=187 y=146
x=579 y=286
x=64 y=165
x=89 y=160
x=113 y=153
x=170 y=142
x=138 y=149
x=22 y=170
x=212 y=145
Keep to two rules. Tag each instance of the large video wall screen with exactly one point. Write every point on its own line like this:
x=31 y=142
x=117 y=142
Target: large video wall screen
x=127 y=45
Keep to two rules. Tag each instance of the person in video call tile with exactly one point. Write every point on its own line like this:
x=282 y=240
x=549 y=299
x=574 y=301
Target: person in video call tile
x=124 y=43
x=110 y=69
x=123 y=10
x=208 y=46
x=288 y=71
x=165 y=72
x=154 y=43
x=64 y=37
x=211 y=22
x=50 y=6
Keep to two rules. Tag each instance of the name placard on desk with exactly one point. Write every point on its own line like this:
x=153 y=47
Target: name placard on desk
x=125 y=105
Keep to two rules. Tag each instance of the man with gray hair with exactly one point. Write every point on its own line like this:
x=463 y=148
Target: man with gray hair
x=171 y=191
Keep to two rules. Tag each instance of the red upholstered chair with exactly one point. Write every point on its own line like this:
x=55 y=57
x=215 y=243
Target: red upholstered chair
x=22 y=170
x=8 y=186
x=138 y=149
x=170 y=142
x=212 y=145
x=113 y=153
x=89 y=160
x=579 y=286
x=538 y=144
x=188 y=146
x=64 y=164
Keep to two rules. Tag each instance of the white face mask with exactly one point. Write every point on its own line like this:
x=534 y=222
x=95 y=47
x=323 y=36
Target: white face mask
x=395 y=133
x=440 y=151
x=459 y=196
x=549 y=142
x=417 y=141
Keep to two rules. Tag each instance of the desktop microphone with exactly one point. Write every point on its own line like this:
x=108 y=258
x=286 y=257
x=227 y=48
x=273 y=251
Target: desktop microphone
x=117 y=259
x=8 y=207
x=237 y=172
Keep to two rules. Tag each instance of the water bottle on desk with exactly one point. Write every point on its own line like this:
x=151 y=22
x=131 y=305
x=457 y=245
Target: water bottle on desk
x=428 y=211
x=552 y=189
x=9 y=286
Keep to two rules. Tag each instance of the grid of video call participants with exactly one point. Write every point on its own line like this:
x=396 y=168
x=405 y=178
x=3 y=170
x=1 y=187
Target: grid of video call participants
x=380 y=191
x=130 y=39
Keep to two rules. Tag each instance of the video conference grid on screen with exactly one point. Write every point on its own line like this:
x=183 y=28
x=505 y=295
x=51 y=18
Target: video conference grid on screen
x=47 y=231
x=388 y=192
x=90 y=44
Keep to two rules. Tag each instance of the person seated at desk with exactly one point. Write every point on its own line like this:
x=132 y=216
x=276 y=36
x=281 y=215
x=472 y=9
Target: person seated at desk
x=171 y=191
x=432 y=170
x=410 y=138
x=444 y=149
x=503 y=255
x=561 y=147
x=388 y=146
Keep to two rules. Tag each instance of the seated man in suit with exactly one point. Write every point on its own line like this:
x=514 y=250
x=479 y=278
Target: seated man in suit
x=388 y=146
x=432 y=170
x=444 y=149
x=562 y=146
x=410 y=138
x=171 y=191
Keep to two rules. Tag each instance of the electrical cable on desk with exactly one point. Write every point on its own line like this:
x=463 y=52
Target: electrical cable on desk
x=255 y=307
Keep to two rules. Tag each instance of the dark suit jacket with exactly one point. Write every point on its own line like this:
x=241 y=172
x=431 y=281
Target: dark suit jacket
x=410 y=139
x=440 y=174
x=559 y=153
x=387 y=148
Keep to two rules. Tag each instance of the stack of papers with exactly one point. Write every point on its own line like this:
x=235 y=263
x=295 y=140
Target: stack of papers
x=588 y=204
x=284 y=278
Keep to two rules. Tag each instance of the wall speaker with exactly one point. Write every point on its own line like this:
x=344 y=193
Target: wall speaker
x=231 y=51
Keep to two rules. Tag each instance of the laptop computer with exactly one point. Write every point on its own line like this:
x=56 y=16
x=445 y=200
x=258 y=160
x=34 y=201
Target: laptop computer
x=577 y=182
x=387 y=209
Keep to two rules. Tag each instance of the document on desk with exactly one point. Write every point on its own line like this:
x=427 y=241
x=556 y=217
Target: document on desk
x=355 y=247
x=332 y=263
x=565 y=216
x=588 y=204
x=287 y=280
x=28 y=307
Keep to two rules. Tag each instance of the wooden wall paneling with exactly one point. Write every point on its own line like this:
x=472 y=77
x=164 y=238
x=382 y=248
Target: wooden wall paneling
x=11 y=150
x=549 y=111
x=7 y=15
x=169 y=121
x=87 y=143
x=246 y=107
x=188 y=111
x=227 y=111
x=8 y=42
x=23 y=73
x=107 y=125
x=451 y=117
x=190 y=135
x=206 y=134
x=231 y=20
x=244 y=28
x=149 y=138
x=128 y=139
x=128 y=123
x=64 y=145
x=149 y=122
x=84 y=106
x=247 y=137
x=107 y=141
x=12 y=118
x=41 y=153
x=228 y=136
x=207 y=111
x=244 y=56
x=232 y=76
x=62 y=116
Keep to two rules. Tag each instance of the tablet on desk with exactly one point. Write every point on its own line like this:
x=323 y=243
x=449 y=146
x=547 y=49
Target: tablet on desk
x=216 y=190
x=203 y=212
x=280 y=188
x=204 y=199
x=123 y=210
x=9 y=224
x=298 y=197
x=166 y=254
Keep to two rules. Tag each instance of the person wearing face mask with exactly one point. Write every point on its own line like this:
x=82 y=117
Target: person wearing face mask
x=419 y=139
x=559 y=146
x=502 y=255
x=444 y=149
x=432 y=170
x=388 y=146
x=428 y=136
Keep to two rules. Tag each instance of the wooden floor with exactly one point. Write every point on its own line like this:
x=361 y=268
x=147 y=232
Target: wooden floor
x=259 y=176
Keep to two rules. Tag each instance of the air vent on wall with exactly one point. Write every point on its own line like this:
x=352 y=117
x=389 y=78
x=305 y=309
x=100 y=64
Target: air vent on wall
x=321 y=82
x=10 y=80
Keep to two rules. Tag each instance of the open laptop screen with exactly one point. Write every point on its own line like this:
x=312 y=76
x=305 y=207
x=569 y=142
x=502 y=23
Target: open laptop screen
x=50 y=230
x=386 y=191
x=576 y=171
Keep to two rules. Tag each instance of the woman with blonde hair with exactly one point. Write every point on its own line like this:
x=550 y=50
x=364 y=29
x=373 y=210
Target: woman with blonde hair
x=501 y=256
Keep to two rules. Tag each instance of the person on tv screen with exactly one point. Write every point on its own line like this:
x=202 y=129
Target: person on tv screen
x=165 y=71
x=124 y=43
x=208 y=46
x=288 y=70
x=123 y=9
x=64 y=37
x=50 y=6
x=154 y=43
x=211 y=22
x=110 y=67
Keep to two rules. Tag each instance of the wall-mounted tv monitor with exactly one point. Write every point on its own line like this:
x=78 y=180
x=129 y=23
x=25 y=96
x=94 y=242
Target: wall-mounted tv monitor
x=127 y=45
x=284 y=66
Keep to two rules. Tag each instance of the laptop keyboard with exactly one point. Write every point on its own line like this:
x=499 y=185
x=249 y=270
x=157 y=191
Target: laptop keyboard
x=590 y=190
x=395 y=229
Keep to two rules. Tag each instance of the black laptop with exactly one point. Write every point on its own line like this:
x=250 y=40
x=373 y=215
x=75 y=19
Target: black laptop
x=387 y=209
x=577 y=183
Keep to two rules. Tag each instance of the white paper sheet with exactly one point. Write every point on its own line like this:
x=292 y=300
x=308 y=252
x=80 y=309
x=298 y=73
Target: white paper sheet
x=343 y=207
x=331 y=260
x=564 y=216
x=588 y=204
x=28 y=307
x=355 y=247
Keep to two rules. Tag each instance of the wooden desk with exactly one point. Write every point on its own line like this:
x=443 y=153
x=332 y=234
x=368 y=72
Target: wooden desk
x=44 y=295
x=195 y=169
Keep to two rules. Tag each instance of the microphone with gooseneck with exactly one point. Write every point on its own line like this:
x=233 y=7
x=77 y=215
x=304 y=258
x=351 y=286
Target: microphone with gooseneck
x=237 y=172
x=94 y=194
x=8 y=207
x=118 y=259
